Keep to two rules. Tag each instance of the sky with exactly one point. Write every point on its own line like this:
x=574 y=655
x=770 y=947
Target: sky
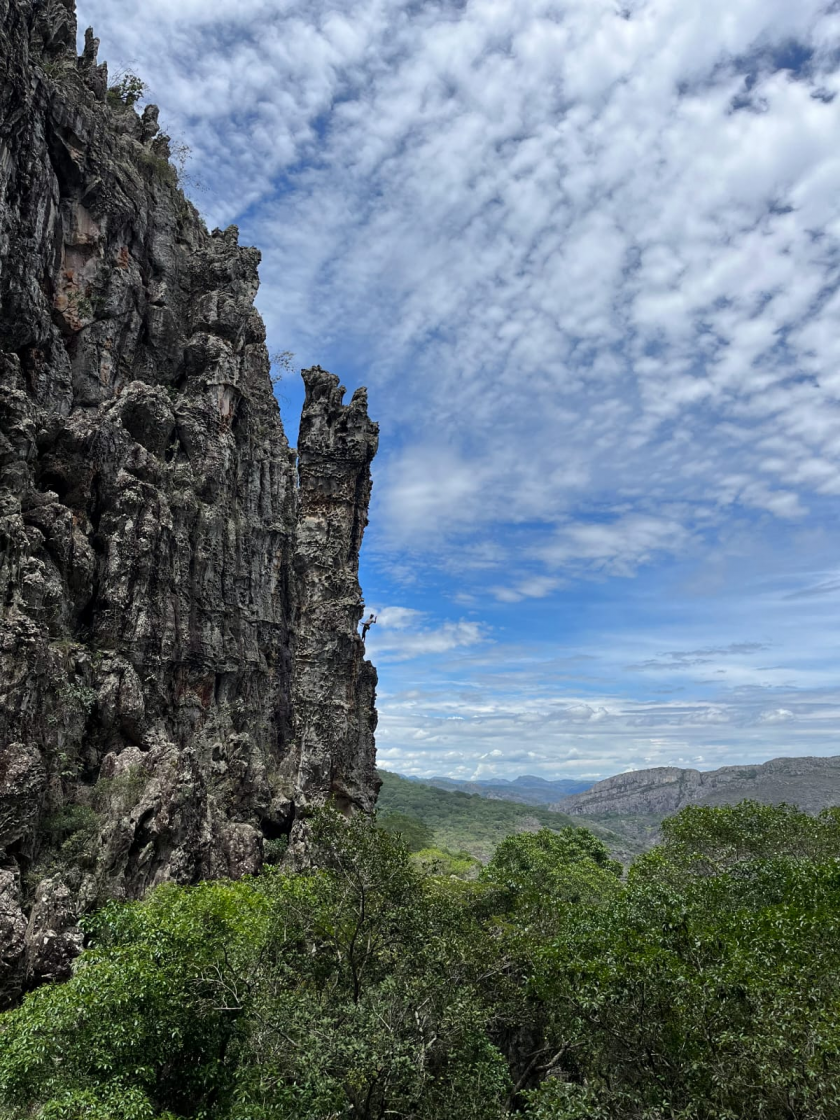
x=585 y=255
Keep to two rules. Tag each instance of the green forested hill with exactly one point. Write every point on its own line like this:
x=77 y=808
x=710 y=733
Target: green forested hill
x=460 y=822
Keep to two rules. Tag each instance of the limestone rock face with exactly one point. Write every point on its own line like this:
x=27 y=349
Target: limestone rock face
x=662 y=790
x=334 y=686
x=810 y=783
x=180 y=669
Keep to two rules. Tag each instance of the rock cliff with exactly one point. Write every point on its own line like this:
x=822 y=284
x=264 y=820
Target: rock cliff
x=811 y=783
x=180 y=669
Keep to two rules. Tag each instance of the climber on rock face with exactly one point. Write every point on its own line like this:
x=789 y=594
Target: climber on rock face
x=366 y=625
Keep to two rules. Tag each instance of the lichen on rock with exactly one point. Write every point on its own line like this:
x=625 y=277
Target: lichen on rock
x=179 y=656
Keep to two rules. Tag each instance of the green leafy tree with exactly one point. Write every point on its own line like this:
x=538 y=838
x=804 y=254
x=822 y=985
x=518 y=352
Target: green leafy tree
x=709 y=988
x=414 y=833
x=703 y=985
x=536 y=887
x=350 y=990
x=126 y=90
x=137 y=1022
x=440 y=862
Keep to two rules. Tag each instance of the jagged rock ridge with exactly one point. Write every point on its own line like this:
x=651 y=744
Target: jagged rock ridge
x=180 y=669
x=811 y=783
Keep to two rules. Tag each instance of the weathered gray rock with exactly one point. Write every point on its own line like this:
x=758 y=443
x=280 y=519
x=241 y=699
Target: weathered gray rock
x=333 y=685
x=180 y=671
x=12 y=934
x=53 y=939
x=811 y=783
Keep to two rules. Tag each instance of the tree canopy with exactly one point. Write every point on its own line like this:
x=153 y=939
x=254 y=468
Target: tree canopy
x=703 y=984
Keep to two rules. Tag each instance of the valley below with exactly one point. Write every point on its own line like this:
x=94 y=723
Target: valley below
x=625 y=811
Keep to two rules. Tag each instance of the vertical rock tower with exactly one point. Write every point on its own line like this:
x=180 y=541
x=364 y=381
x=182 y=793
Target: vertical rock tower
x=180 y=670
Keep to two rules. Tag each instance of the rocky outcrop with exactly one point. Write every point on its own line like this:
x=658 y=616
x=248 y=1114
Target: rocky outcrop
x=811 y=783
x=180 y=670
x=334 y=687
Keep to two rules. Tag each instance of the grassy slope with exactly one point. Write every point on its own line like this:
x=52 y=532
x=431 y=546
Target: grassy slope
x=469 y=823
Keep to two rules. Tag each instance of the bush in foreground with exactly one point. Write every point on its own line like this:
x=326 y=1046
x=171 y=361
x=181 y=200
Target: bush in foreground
x=704 y=985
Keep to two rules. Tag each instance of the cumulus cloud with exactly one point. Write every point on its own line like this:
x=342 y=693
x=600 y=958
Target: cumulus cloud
x=406 y=633
x=776 y=715
x=559 y=708
x=618 y=546
x=535 y=587
x=557 y=736
x=398 y=618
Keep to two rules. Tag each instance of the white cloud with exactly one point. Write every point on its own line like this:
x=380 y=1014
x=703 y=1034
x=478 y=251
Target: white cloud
x=776 y=715
x=536 y=587
x=619 y=545
x=398 y=618
x=405 y=633
x=558 y=736
x=559 y=708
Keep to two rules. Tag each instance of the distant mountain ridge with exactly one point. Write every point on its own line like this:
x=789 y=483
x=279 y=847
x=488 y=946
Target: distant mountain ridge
x=528 y=789
x=467 y=822
x=632 y=806
x=811 y=783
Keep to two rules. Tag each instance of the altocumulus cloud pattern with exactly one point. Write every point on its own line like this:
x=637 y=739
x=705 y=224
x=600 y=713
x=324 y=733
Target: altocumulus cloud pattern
x=585 y=254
